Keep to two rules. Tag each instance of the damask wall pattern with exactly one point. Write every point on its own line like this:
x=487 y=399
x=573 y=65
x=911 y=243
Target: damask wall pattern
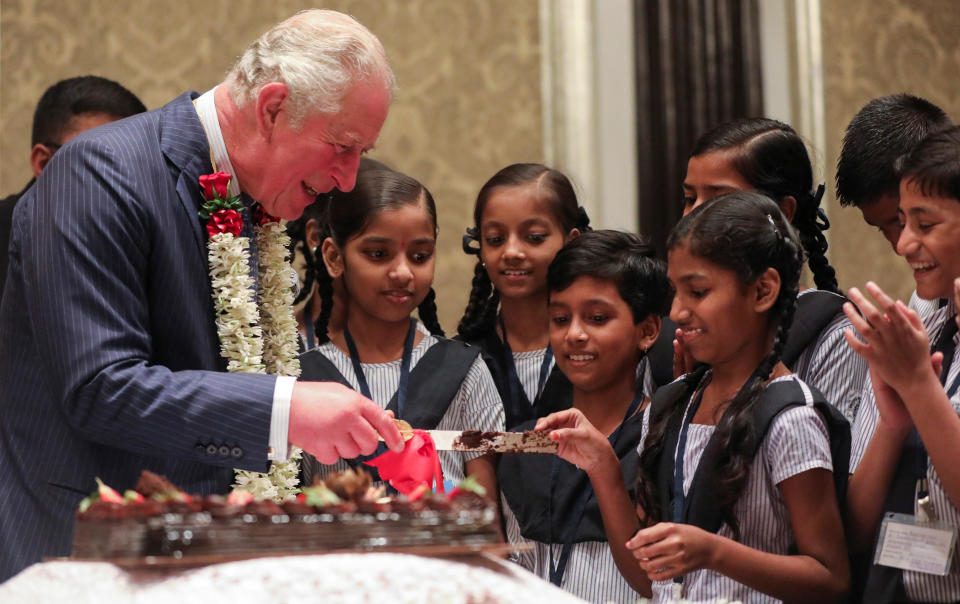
x=468 y=74
x=872 y=48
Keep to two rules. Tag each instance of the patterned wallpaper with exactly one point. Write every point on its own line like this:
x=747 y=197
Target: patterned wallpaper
x=468 y=71
x=872 y=48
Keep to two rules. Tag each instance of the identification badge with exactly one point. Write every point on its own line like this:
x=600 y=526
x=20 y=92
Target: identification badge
x=909 y=544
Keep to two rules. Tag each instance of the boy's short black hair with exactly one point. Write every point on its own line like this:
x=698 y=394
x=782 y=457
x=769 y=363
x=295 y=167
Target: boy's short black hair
x=935 y=164
x=885 y=129
x=624 y=259
x=76 y=96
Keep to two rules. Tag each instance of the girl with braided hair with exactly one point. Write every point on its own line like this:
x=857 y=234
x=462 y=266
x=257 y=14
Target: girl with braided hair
x=306 y=235
x=523 y=215
x=764 y=155
x=380 y=243
x=736 y=492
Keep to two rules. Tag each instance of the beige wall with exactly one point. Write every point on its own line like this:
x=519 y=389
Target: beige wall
x=872 y=48
x=468 y=70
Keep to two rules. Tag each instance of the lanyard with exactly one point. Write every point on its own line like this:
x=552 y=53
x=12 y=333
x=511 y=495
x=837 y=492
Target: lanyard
x=679 y=508
x=404 y=365
x=559 y=567
x=517 y=395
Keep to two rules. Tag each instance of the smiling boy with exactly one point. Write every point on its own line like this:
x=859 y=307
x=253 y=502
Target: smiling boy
x=905 y=444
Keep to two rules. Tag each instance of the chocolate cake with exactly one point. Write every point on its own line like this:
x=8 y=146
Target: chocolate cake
x=342 y=514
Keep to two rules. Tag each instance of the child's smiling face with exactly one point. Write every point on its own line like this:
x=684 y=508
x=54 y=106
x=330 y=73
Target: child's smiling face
x=594 y=338
x=930 y=241
x=519 y=237
x=715 y=311
x=388 y=268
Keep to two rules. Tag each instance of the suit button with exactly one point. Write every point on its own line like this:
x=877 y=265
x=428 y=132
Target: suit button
x=236 y=452
x=224 y=451
x=211 y=449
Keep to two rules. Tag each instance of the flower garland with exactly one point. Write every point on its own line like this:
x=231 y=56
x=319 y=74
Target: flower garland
x=253 y=339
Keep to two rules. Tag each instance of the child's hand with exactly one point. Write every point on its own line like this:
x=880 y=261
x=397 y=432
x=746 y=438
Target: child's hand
x=682 y=361
x=666 y=550
x=893 y=413
x=896 y=345
x=580 y=442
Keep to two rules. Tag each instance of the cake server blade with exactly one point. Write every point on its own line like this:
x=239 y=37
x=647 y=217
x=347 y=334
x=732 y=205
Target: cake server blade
x=492 y=442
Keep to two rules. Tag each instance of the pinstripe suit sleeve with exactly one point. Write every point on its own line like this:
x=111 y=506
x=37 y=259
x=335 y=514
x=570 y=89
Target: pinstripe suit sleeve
x=88 y=265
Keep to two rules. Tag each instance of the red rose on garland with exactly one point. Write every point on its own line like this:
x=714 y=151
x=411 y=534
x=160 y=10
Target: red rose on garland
x=225 y=221
x=260 y=217
x=221 y=213
x=215 y=185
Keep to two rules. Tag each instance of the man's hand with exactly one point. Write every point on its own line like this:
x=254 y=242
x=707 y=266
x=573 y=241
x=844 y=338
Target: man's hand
x=332 y=421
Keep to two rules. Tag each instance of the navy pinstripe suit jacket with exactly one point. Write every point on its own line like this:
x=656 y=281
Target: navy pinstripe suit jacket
x=109 y=357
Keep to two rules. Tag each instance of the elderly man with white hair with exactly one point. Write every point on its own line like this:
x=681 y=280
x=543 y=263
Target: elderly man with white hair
x=115 y=336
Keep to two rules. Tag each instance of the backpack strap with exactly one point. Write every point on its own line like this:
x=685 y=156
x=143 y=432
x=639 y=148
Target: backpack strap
x=670 y=401
x=435 y=381
x=815 y=310
x=314 y=367
x=701 y=507
x=774 y=399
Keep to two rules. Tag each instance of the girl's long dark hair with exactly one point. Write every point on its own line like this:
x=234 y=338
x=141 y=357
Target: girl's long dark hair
x=771 y=156
x=348 y=214
x=479 y=317
x=746 y=233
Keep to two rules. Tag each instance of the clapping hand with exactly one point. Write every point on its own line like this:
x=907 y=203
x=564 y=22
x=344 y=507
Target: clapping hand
x=682 y=360
x=895 y=342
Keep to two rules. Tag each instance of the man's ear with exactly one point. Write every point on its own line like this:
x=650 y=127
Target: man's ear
x=767 y=288
x=332 y=258
x=788 y=205
x=647 y=332
x=40 y=154
x=271 y=102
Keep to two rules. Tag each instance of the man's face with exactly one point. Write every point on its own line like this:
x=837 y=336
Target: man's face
x=299 y=164
x=882 y=214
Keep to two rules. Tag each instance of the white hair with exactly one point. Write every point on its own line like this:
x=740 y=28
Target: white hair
x=319 y=54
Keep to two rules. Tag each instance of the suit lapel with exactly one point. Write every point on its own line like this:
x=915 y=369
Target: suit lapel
x=184 y=143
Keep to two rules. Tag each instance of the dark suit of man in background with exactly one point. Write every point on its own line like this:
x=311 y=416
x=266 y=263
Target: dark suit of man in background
x=109 y=360
x=66 y=109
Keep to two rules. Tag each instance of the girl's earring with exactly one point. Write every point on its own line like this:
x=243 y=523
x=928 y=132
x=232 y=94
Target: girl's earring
x=315 y=249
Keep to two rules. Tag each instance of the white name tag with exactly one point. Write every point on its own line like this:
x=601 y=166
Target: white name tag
x=909 y=544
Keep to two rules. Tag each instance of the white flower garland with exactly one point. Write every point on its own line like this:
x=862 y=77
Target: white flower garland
x=257 y=340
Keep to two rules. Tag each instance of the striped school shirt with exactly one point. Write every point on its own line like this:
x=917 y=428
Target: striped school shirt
x=920 y=587
x=476 y=406
x=796 y=442
x=833 y=368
